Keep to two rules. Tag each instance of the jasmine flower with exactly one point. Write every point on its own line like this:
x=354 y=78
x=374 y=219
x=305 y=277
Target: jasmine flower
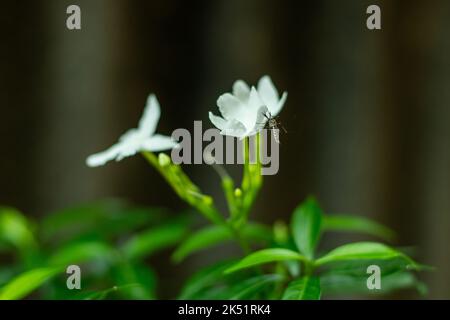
x=243 y=111
x=142 y=138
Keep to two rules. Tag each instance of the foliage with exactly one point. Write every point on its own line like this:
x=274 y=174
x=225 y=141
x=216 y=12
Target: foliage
x=109 y=240
x=112 y=241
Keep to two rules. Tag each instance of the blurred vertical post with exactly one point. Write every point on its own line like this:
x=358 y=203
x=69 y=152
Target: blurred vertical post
x=79 y=105
x=347 y=86
x=433 y=149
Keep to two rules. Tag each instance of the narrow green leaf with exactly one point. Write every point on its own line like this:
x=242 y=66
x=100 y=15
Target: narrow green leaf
x=306 y=288
x=196 y=287
x=27 y=282
x=339 y=284
x=349 y=223
x=147 y=242
x=100 y=294
x=15 y=229
x=83 y=252
x=8 y=272
x=207 y=237
x=306 y=226
x=266 y=256
x=137 y=280
x=252 y=286
x=342 y=277
x=101 y=219
x=362 y=251
x=359 y=268
x=214 y=235
x=257 y=232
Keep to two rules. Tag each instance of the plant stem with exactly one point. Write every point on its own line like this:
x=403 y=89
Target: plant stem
x=185 y=189
x=308 y=268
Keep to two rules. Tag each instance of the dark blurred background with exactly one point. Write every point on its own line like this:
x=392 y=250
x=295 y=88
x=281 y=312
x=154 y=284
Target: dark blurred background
x=368 y=113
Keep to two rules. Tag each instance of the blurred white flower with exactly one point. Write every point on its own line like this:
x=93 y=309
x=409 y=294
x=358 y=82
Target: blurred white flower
x=243 y=111
x=133 y=141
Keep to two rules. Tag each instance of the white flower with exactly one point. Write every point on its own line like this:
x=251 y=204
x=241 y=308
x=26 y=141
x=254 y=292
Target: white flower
x=133 y=141
x=243 y=112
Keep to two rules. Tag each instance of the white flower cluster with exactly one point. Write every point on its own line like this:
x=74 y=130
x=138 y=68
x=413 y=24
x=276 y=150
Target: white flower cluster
x=244 y=113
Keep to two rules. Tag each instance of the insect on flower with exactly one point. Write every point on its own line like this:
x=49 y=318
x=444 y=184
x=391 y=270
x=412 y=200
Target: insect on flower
x=242 y=110
x=273 y=124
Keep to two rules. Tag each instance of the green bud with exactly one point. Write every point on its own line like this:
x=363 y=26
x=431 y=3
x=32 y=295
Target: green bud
x=207 y=200
x=281 y=232
x=164 y=160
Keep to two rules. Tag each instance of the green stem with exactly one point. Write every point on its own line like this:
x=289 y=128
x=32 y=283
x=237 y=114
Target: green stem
x=185 y=189
x=308 y=268
x=252 y=178
x=279 y=287
x=191 y=194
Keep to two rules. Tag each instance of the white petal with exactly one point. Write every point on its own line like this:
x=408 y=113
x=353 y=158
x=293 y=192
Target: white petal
x=99 y=159
x=158 y=143
x=241 y=90
x=260 y=120
x=268 y=92
x=218 y=122
x=235 y=129
x=254 y=104
x=128 y=150
x=277 y=108
x=230 y=107
x=229 y=128
x=150 y=117
x=254 y=101
x=129 y=135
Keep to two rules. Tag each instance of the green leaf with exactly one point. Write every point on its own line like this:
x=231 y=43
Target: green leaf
x=17 y=233
x=99 y=294
x=339 y=284
x=101 y=219
x=95 y=295
x=363 y=251
x=27 y=282
x=257 y=232
x=207 y=237
x=211 y=284
x=342 y=277
x=357 y=224
x=15 y=229
x=137 y=281
x=148 y=242
x=199 y=285
x=249 y=288
x=214 y=235
x=83 y=252
x=7 y=272
x=306 y=226
x=266 y=256
x=359 y=267
x=306 y=288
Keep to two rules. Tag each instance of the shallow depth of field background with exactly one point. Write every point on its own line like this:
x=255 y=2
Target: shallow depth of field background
x=368 y=112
